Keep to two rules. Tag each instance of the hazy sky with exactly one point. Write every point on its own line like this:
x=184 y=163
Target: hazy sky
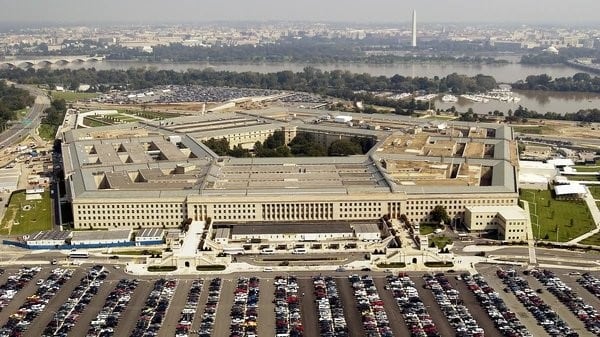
x=151 y=11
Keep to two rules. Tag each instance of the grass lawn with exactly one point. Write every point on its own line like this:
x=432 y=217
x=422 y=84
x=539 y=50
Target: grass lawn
x=593 y=240
x=570 y=218
x=93 y=122
x=425 y=229
x=590 y=168
x=537 y=130
x=149 y=114
x=586 y=177
x=72 y=96
x=47 y=131
x=38 y=218
x=440 y=241
x=595 y=190
x=441 y=117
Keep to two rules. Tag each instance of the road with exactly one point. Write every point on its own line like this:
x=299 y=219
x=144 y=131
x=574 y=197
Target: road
x=30 y=122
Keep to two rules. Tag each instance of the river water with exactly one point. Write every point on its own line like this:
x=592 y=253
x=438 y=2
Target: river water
x=503 y=73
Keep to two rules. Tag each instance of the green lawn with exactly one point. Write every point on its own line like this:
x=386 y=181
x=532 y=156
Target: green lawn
x=93 y=122
x=73 y=96
x=149 y=114
x=119 y=118
x=38 y=218
x=440 y=241
x=586 y=177
x=591 y=168
x=571 y=218
x=593 y=240
x=47 y=131
x=537 y=130
x=595 y=190
x=425 y=229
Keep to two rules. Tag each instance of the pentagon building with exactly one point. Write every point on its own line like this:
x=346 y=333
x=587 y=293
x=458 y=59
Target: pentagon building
x=159 y=174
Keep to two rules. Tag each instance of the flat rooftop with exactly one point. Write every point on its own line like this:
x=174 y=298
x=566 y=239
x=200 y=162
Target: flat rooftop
x=49 y=235
x=301 y=228
x=139 y=161
x=110 y=235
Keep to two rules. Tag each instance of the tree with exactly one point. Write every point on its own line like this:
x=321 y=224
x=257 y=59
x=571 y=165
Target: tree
x=344 y=147
x=439 y=214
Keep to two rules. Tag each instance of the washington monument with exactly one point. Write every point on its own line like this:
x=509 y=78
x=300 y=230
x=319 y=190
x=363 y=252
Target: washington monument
x=414 y=29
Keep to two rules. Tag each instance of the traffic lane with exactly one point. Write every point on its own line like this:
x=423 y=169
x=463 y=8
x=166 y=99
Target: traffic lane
x=201 y=305
x=392 y=310
x=266 y=307
x=223 y=318
x=479 y=314
x=130 y=316
x=353 y=317
x=438 y=317
x=308 y=307
x=91 y=311
x=39 y=323
x=18 y=129
x=176 y=305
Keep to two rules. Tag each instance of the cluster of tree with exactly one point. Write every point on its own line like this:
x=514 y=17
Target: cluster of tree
x=439 y=214
x=580 y=82
x=583 y=115
x=563 y=56
x=336 y=83
x=12 y=99
x=55 y=114
x=303 y=145
x=309 y=80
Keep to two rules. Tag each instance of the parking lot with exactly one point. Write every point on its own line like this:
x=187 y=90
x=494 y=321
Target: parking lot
x=103 y=301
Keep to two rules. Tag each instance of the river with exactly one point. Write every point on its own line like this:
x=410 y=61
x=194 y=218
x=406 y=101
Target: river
x=503 y=73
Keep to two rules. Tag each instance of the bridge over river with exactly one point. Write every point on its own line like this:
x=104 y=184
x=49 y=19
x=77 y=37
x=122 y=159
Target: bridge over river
x=46 y=61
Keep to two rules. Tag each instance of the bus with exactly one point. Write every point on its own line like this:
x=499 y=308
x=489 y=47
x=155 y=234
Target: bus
x=79 y=254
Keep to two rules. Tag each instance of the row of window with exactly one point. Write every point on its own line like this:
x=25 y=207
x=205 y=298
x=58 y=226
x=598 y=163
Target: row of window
x=126 y=206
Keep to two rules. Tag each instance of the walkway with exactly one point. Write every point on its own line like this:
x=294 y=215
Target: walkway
x=530 y=237
x=593 y=207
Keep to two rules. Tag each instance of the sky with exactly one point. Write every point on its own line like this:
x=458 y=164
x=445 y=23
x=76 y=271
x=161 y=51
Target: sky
x=364 y=11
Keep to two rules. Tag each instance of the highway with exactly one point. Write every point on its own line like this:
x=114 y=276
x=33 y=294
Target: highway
x=30 y=122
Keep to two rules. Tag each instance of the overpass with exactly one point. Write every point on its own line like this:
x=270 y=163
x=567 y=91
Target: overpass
x=41 y=62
